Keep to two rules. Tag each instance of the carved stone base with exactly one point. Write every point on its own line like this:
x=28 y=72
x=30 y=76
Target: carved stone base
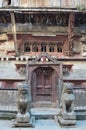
x=31 y=123
x=67 y=119
x=68 y=116
x=66 y=123
x=23 y=118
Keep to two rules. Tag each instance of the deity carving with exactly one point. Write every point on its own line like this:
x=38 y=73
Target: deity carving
x=67 y=115
x=23 y=103
x=67 y=98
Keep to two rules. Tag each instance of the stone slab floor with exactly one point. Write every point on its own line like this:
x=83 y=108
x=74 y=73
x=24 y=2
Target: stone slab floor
x=47 y=124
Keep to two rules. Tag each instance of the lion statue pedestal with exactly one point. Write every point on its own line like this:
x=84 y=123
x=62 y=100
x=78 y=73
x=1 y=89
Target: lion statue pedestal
x=23 y=118
x=67 y=115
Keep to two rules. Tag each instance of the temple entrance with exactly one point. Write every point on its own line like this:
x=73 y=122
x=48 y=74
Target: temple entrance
x=44 y=88
x=43 y=75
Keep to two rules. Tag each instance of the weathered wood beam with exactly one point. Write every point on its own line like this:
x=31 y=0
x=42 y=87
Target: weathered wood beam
x=71 y=32
x=14 y=32
x=41 y=9
x=3 y=19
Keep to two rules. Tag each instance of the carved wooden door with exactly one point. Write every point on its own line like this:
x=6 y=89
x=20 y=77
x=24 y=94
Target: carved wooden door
x=42 y=87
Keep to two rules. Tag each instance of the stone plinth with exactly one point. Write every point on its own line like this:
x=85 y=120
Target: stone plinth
x=30 y=123
x=68 y=119
x=23 y=118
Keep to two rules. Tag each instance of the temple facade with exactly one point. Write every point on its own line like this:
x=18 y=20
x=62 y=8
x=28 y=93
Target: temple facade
x=53 y=27
x=43 y=43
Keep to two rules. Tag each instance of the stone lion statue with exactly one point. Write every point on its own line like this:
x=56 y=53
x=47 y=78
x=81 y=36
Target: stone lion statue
x=67 y=99
x=23 y=103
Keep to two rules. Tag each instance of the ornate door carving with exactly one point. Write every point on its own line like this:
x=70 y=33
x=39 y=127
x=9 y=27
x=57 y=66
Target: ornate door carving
x=42 y=84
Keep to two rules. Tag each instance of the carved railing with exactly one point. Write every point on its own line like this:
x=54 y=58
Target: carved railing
x=80 y=98
x=8 y=99
x=42 y=3
x=25 y=28
x=6 y=28
x=83 y=29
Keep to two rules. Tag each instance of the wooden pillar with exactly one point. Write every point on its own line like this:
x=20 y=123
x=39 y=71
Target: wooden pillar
x=71 y=32
x=55 y=48
x=39 y=47
x=14 y=32
x=31 y=47
x=47 y=47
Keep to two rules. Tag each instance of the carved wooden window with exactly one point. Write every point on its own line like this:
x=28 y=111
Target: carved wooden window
x=59 y=49
x=9 y=84
x=65 y=71
x=51 y=49
x=26 y=47
x=43 y=48
x=35 y=48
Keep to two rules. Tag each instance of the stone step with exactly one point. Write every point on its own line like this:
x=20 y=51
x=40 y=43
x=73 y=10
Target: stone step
x=44 y=104
x=81 y=114
x=44 y=113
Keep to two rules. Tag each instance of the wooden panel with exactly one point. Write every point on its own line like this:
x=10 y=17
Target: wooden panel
x=51 y=3
x=38 y=3
x=45 y=3
x=31 y=3
x=43 y=88
x=24 y=3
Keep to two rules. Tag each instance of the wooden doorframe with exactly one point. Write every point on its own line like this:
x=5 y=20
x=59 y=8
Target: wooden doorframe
x=53 y=88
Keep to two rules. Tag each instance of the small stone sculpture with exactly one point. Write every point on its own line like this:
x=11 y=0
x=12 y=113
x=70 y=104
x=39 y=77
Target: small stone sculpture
x=67 y=98
x=67 y=115
x=23 y=118
x=23 y=104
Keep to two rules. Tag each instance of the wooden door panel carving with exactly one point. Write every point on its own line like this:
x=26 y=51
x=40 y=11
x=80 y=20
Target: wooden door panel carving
x=42 y=89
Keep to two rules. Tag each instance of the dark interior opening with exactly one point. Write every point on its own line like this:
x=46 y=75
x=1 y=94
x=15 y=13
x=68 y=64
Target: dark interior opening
x=9 y=2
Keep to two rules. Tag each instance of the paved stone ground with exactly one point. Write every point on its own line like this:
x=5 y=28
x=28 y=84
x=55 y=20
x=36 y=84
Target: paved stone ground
x=42 y=125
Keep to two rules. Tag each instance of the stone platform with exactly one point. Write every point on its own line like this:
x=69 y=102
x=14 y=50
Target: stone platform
x=30 y=124
x=41 y=113
x=67 y=122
